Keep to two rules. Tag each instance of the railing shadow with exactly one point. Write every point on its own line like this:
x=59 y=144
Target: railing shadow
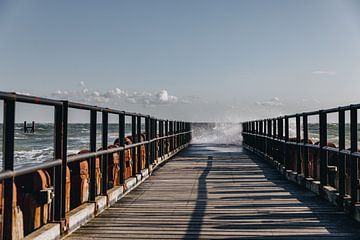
x=261 y=200
x=313 y=212
x=195 y=224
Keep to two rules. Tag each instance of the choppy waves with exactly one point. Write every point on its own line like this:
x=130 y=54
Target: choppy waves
x=224 y=133
x=38 y=147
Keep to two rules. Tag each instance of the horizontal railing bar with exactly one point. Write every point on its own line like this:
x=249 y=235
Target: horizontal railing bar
x=82 y=106
x=83 y=156
x=29 y=169
x=169 y=136
x=136 y=114
x=314 y=146
x=101 y=109
x=135 y=144
x=331 y=149
x=356 y=154
x=29 y=99
x=79 y=157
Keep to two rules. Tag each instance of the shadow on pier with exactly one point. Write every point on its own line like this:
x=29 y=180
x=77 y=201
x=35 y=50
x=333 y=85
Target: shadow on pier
x=235 y=195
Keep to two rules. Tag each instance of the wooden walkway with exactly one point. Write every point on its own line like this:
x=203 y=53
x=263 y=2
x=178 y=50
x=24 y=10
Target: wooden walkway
x=233 y=196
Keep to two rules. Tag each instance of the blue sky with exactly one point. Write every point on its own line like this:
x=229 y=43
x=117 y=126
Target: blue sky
x=195 y=60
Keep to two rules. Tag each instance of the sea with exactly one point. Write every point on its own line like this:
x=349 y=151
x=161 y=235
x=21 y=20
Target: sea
x=32 y=148
x=37 y=147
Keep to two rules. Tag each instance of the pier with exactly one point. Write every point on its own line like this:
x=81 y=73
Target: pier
x=156 y=183
x=234 y=194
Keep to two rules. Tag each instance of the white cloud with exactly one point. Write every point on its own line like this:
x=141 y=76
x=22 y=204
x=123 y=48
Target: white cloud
x=117 y=97
x=323 y=72
x=164 y=97
x=275 y=101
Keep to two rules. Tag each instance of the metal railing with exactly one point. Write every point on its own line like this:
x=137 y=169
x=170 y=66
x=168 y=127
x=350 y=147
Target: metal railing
x=162 y=137
x=323 y=161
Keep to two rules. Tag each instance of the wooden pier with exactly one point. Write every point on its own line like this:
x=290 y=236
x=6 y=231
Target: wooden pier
x=280 y=187
x=233 y=195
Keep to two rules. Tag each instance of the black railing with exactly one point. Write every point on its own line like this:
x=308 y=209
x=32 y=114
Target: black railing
x=162 y=137
x=331 y=164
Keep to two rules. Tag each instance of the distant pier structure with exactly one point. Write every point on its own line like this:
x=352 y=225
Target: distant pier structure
x=29 y=129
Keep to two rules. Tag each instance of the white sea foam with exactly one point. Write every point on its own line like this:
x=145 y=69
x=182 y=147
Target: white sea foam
x=224 y=133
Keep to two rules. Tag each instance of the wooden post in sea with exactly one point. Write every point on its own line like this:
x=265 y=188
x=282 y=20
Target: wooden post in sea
x=32 y=127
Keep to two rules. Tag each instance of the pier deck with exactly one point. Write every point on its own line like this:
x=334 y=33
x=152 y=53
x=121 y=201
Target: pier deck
x=234 y=195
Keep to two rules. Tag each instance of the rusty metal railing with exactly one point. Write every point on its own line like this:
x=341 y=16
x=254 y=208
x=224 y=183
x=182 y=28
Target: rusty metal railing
x=330 y=164
x=162 y=137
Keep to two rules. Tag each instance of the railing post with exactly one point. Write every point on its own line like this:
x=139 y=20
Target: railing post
x=183 y=130
x=181 y=136
x=286 y=140
x=261 y=144
x=353 y=160
x=92 y=165
x=134 y=152
x=148 y=138
x=281 y=137
x=342 y=163
x=167 y=134
x=122 y=144
x=156 y=143
x=172 y=138
x=59 y=173
x=298 y=147
x=323 y=143
x=161 y=134
x=8 y=164
x=105 y=157
x=257 y=131
x=306 y=149
x=266 y=140
x=177 y=137
x=189 y=129
x=270 y=143
x=152 y=136
x=138 y=131
x=275 y=143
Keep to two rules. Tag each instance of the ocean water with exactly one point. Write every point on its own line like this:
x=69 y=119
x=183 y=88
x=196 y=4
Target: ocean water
x=230 y=133
x=332 y=133
x=32 y=148
x=224 y=133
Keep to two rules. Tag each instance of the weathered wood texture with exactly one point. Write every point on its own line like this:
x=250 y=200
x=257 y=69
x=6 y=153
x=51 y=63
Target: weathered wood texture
x=232 y=196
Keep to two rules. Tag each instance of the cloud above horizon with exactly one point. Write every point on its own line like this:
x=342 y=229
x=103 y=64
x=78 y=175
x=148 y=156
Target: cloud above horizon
x=324 y=72
x=118 y=97
x=275 y=101
x=165 y=105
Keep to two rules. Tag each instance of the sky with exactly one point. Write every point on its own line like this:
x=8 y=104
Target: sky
x=195 y=60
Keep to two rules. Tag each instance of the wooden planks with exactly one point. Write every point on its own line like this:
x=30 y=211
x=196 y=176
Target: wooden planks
x=232 y=196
